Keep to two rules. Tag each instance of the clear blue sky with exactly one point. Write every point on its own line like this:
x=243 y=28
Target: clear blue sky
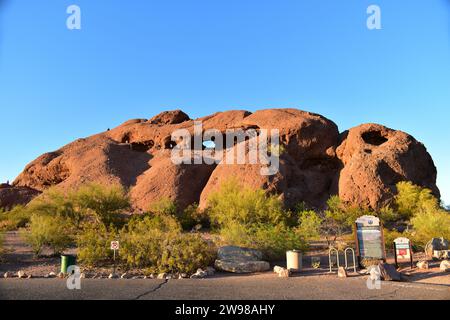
x=136 y=58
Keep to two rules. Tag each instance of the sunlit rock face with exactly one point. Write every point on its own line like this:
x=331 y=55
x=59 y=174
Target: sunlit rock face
x=361 y=165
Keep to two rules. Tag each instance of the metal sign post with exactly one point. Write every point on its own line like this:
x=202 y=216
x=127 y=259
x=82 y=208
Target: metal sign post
x=115 y=246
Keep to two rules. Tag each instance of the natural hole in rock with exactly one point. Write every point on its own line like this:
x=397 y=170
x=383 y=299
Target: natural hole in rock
x=125 y=138
x=142 y=146
x=209 y=144
x=374 y=138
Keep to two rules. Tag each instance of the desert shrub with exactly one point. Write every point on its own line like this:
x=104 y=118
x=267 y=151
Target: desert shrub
x=236 y=203
x=164 y=206
x=426 y=225
x=412 y=199
x=339 y=219
x=143 y=238
x=275 y=240
x=93 y=244
x=188 y=218
x=14 y=219
x=192 y=216
x=105 y=204
x=54 y=232
x=272 y=240
x=343 y=214
x=309 y=224
x=390 y=236
x=185 y=253
x=251 y=218
x=56 y=203
x=158 y=244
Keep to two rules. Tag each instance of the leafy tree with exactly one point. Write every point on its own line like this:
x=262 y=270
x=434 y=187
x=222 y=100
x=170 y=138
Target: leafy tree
x=45 y=230
x=56 y=203
x=251 y=218
x=105 y=204
x=16 y=218
x=164 y=206
x=309 y=225
x=236 y=203
x=434 y=223
x=412 y=199
x=93 y=242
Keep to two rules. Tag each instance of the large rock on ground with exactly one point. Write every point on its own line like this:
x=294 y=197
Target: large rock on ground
x=240 y=260
x=375 y=158
x=362 y=165
x=242 y=266
x=239 y=253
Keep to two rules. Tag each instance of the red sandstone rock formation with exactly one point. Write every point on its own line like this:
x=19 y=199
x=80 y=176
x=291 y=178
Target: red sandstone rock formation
x=362 y=165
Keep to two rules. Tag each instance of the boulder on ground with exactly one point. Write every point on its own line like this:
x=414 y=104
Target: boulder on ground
x=423 y=265
x=237 y=266
x=445 y=266
x=200 y=274
x=342 y=273
x=162 y=276
x=388 y=272
x=21 y=274
x=282 y=272
x=239 y=253
x=240 y=260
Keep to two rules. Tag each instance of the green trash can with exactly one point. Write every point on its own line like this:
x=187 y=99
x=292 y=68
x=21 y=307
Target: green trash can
x=66 y=261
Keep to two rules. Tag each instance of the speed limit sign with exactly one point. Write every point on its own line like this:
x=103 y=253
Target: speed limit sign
x=115 y=245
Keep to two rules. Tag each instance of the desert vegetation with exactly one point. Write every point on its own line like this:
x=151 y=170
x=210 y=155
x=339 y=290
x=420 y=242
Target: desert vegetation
x=167 y=239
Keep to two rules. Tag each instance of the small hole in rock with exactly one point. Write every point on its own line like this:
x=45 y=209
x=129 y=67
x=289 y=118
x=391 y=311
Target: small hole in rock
x=209 y=144
x=374 y=138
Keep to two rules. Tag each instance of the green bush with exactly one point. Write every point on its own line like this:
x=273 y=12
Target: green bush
x=188 y=218
x=164 y=206
x=185 y=253
x=105 y=204
x=158 y=244
x=275 y=240
x=412 y=199
x=15 y=219
x=192 y=216
x=434 y=223
x=54 y=232
x=272 y=240
x=309 y=224
x=143 y=240
x=236 y=203
x=56 y=203
x=94 y=242
x=390 y=236
x=250 y=218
